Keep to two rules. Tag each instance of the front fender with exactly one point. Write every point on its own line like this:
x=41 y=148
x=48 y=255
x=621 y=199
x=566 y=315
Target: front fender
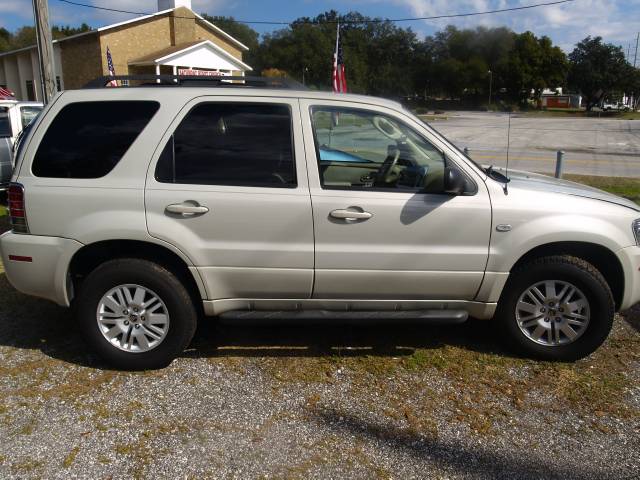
x=508 y=247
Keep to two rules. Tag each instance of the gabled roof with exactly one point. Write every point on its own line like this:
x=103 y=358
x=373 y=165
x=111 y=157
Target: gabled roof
x=199 y=18
x=221 y=32
x=166 y=55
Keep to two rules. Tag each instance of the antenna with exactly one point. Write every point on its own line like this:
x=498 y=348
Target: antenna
x=506 y=170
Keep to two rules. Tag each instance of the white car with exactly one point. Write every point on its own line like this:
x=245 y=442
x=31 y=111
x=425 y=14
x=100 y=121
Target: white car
x=147 y=208
x=14 y=117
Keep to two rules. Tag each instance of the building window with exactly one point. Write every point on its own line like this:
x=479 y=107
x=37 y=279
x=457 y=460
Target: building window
x=88 y=139
x=31 y=91
x=58 y=84
x=231 y=144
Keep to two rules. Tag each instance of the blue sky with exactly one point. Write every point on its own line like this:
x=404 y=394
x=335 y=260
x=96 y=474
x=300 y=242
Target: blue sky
x=615 y=20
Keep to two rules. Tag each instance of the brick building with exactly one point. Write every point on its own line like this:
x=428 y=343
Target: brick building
x=173 y=40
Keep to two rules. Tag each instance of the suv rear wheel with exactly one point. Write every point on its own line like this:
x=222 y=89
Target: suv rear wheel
x=135 y=314
x=556 y=308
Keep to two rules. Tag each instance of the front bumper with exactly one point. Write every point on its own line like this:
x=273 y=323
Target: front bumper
x=45 y=275
x=630 y=260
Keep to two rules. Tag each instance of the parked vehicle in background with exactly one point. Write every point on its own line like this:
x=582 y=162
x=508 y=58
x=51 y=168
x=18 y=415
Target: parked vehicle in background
x=14 y=117
x=149 y=207
x=615 y=107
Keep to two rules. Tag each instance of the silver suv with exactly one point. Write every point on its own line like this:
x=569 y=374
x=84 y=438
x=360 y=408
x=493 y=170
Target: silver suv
x=149 y=207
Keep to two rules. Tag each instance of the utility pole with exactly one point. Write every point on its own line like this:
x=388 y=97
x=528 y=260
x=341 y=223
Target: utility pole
x=45 y=49
x=490 y=86
x=635 y=58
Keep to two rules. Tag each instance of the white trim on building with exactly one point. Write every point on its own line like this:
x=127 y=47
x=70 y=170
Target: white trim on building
x=205 y=54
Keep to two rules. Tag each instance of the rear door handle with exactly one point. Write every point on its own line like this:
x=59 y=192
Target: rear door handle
x=187 y=208
x=351 y=214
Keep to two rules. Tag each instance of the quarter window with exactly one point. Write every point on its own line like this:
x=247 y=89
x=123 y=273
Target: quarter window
x=88 y=139
x=231 y=144
x=360 y=149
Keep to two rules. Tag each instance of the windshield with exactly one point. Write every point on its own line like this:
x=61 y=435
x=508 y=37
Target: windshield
x=444 y=139
x=5 y=124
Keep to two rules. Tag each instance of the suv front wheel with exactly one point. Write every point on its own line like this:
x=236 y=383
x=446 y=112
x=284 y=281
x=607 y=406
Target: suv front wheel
x=135 y=314
x=556 y=308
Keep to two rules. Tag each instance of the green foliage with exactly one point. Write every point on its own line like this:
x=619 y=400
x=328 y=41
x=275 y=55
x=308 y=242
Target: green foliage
x=379 y=56
x=66 y=31
x=26 y=36
x=597 y=68
x=385 y=59
x=240 y=31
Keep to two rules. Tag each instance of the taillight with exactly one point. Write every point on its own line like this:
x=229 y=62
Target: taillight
x=17 y=210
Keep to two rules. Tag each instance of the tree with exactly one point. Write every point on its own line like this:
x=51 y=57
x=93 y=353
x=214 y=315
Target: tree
x=5 y=39
x=240 y=31
x=596 y=69
x=26 y=36
x=66 y=31
x=23 y=37
x=379 y=56
x=534 y=64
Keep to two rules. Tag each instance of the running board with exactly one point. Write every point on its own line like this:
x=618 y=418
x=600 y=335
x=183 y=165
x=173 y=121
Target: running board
x=422 y=317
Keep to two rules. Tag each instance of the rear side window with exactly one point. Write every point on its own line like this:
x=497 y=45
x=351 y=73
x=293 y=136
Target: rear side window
x=231 y=144
x=88 y=139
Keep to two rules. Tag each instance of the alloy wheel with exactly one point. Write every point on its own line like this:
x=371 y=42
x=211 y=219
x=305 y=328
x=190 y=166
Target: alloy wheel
x=553 y=313
x=133 y=318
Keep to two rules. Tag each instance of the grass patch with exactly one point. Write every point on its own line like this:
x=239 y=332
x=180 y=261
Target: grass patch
x=71 y=457
x=628 y=116
x=622 y=186
x=432 y=118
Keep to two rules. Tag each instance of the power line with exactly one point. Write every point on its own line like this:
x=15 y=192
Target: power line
x=375 y=20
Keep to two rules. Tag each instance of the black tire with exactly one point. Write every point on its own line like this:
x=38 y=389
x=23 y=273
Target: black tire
x=563 y=268
x=179 y=304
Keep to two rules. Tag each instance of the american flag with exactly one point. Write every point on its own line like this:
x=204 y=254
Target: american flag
x=6 y=94
x=339 y=78
x=112 y=71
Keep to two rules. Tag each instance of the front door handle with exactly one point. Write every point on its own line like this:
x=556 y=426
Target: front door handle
x=351 y=214
x=187 y=208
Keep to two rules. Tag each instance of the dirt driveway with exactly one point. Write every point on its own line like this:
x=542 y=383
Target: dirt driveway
x=324 y=401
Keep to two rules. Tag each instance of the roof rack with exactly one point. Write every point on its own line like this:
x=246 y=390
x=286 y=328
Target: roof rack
x=199 y=81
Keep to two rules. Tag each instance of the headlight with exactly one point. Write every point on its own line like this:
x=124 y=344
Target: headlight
x=635 y=226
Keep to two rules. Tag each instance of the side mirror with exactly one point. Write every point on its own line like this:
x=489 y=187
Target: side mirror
x=456 y=182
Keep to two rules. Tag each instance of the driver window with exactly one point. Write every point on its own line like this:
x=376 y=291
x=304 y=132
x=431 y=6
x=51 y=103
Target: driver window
x=360 y=149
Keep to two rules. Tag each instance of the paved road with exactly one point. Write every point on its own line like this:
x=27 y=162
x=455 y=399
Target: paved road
x=593 y=146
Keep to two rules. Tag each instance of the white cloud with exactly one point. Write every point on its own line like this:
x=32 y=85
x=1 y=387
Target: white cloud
x=14 y=8
x=67 y=14
x=617 y=21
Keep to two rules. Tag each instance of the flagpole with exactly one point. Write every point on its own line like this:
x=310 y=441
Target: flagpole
x=334 y=78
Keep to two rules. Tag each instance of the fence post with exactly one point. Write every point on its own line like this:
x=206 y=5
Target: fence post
x=559 y=163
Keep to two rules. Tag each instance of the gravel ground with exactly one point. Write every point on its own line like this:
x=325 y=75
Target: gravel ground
x=320 y=401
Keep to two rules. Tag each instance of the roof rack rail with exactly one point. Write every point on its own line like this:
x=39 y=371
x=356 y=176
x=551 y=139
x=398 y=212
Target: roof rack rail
x=199 y=81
